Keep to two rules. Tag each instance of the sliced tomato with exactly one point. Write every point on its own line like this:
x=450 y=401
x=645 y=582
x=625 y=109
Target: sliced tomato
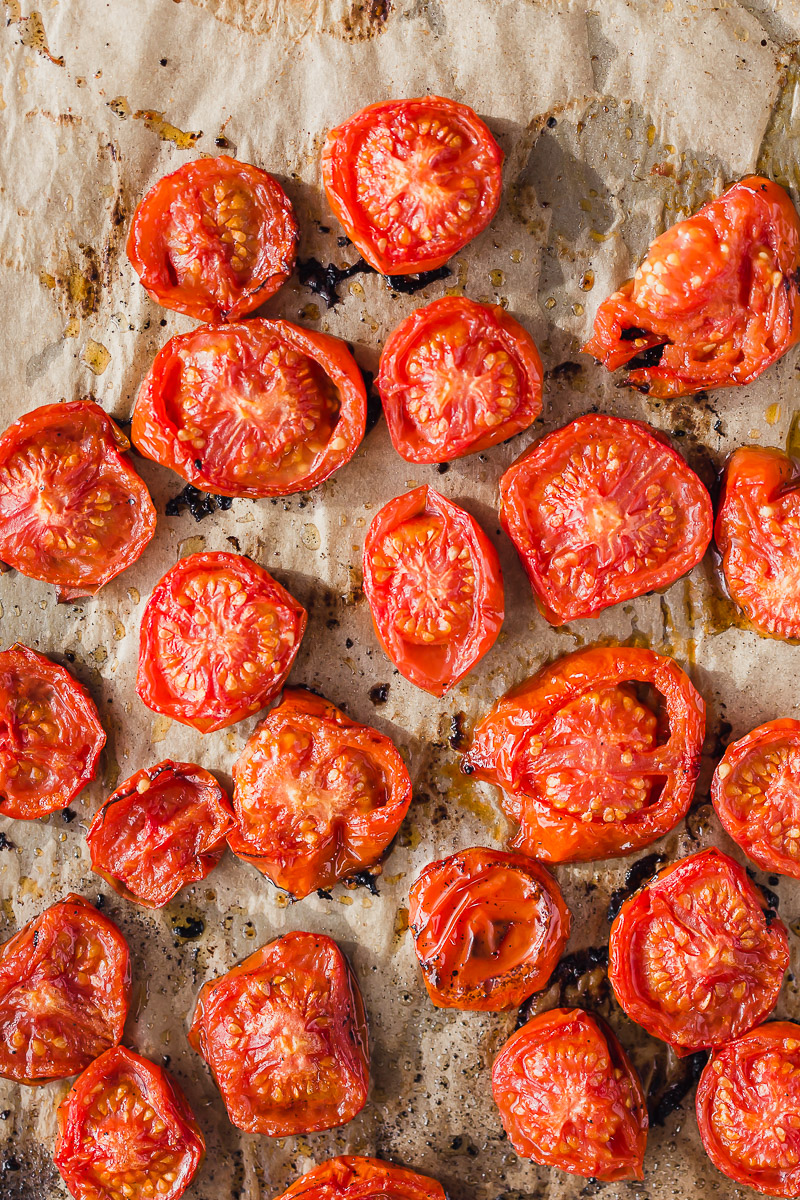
x=569 y=1097
x=352 y=1177
x=694 y=957
x=126 y=1130
x=433 y=582
x=587 y=769
x=73 y=512
x=161 y=830
x=714 y=302
x=488 y=928
x=64 y=992
x=217 y=640
x=285 y=1035
x=412 y=181
x=214 y=239
x=602 y=511
x=50 y=735
x=457 y=377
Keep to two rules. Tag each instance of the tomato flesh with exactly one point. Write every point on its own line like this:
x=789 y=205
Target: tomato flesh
x=352 y=1177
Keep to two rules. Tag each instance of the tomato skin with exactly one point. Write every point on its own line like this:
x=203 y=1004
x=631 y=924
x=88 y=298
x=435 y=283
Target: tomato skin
x=352 y=1177
x=505 y=742
x=470 y=900
x=43 y=1002
x=391 y=130
x=442 y=350
x=620 y=543
x=64 y=477
x=168 y=225
x=562 y=1078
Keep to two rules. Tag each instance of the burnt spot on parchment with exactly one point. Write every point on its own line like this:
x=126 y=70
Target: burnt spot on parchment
x=75 y=279
x=31 y=31
x=351 y=20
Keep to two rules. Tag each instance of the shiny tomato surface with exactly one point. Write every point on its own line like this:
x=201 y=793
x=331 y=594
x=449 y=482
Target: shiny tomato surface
x=352 y=1177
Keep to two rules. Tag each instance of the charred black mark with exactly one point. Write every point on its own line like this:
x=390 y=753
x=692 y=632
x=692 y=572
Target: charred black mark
x=407 y=285
x=380 y=693
x=323 y=894
x=648 y=358
x=5 y=843
x=443 y=468
x=458 y=736
x=564 y=370
x=68 y=815
x=664 y=1097
x=772 y=899
x=583 y=971
x=200 y=504
x=641 y=870
x=365 y=879
x=374 y=406
x=188 y=928
x=634 y=332
x=326 y=281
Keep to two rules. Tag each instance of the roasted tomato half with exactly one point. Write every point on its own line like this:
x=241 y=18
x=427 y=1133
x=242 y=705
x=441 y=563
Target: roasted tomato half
x=50 y=735
x=73 y=512
x=258 y=408
x=412 y=181
x=217 y=640
x=714 y=302
x=748 y=1109
x=569 y=1097
x=433 y=582
x=64 y=992
x=695 y=958
x=488 y=928
x=589 y=768
x=214 y=239
x=601 y=511
x=352 y=1177
x=285 y=1035
x=162 y=829
x=126 y=1130
x=317 y=796
x=457 y=377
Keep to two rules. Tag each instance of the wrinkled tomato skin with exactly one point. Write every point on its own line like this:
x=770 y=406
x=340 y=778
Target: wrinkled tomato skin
x=567 y=1061
x=480 y=403
x=502 y=742
x=676 y=962
x=298 y=987
x=50 y=733
x=436 y=667
x=301 y=828
x=616 y=538
x=43 y=1001
x=352 y=1177
x=395 y=126
x=718 y=291
x=64 y=478
x=467 y=907
x=217 y=459
x=168 y=223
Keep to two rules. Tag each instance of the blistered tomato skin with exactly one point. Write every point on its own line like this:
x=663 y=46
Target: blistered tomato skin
x=352 y=1177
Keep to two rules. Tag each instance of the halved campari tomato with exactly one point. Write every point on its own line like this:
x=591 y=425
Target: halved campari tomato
x=126 y=1130
x=412 y=181
x=695 y=958
x=257 y=408
x=457 y=377
x=161 y=830
x=214 y=239
x=318 y=797
x=433 y=582
x=285 y=1035
x=73 y=512
x=352 y=1177
x=569 y=1097
x=488 y=928
x=602 y=511
x=217 y=640
x=714 y=302
x=590 y=767
x=64 y=992
x=50 y=735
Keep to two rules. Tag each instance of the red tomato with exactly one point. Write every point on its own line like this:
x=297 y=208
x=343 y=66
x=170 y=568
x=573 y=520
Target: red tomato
x=354 y=1178
x=127 y=1125
x=488 y=928
x=585 y=769
x=317 y=796
x=162 y=829
x=214 y=239
x=259 y=408
x=457 y=377
x=73 y=512
x=285 y=1035
x=218 y=638
x=602 y=511
x=693 y=958
x=714 y=302
x=412 y=181
x=50 y=735
x=433 y=582
x=64 y=992
x=569 y=1097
